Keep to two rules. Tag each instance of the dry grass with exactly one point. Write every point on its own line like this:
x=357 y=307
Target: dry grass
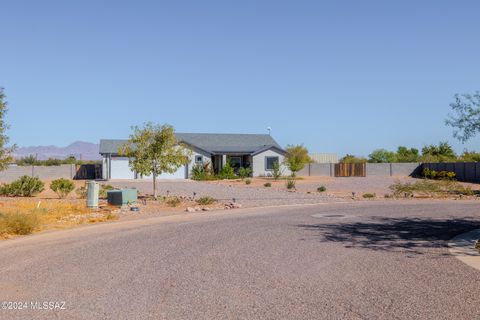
x=25 y=216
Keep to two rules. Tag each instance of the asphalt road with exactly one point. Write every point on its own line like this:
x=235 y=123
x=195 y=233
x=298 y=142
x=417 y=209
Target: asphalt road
x=375 y=261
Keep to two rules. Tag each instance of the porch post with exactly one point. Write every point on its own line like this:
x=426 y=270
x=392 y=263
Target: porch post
x=224 y=160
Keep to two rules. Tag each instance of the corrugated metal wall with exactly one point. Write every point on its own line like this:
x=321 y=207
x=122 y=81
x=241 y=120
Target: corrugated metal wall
x=324 y=157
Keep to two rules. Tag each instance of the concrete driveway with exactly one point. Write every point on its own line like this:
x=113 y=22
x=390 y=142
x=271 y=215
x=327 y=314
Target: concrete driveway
x=333 y=261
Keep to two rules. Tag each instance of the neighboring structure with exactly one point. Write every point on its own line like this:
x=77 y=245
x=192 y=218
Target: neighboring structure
x=256 y=151
x=324 y=157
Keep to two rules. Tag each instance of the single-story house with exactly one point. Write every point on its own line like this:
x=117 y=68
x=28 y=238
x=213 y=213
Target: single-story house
x=256 y=151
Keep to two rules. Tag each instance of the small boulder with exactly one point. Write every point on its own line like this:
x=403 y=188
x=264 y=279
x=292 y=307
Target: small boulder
x=190 y=209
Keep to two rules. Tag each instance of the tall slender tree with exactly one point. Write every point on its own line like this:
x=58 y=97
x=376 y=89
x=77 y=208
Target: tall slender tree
x=5 y=152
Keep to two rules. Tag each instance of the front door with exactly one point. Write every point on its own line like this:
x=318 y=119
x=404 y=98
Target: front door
x=236 y=162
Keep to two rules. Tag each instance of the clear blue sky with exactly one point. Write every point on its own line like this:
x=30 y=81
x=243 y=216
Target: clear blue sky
x=338 y=76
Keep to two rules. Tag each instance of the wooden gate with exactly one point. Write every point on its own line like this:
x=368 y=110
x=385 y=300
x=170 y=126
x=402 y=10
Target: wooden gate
x=350 y=169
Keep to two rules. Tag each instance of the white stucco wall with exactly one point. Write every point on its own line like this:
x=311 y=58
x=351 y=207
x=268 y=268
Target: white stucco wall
x=192 y=162
x=120 y=169
x=259 y=163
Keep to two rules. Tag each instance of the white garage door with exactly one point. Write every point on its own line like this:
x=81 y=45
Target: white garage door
x=119 y=169
x=179 y=174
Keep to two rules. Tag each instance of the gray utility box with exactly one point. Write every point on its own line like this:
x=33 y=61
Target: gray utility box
x=92 y=194
x=122 y=197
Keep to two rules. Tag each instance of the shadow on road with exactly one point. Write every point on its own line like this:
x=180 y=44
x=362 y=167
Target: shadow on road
x=394 y=234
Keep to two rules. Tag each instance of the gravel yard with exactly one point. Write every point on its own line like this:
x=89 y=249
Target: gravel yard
x=248 y=196
x=255 y=194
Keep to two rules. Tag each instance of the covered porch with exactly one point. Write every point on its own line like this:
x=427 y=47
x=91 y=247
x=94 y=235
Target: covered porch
x=236 y=160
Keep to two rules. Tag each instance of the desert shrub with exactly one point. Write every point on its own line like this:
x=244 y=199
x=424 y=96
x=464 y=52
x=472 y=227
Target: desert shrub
x=276 y=171
x=321 y=189
x=62 y=187
x=81 y=192
x=206 y=200
x=446 y=175
x=429 y=174
x=202 y=172
x=18 y=223
x=290 y=183
x=466 y=191
x=25 y=186
x=173 y=201
x=227 y=171
x=244 y=172
x=248 y=181
x=369 y=195
x=267 y=184
x=431 y=188
x=440 y=175
x=104 y=188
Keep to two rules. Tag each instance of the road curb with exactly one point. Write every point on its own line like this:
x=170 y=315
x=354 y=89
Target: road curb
x=462 y=247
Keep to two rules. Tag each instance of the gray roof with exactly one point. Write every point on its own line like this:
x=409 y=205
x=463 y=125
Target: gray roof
x=211 y=142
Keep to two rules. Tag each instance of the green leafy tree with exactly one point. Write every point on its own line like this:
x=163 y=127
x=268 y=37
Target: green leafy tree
x=296 y=158
x=407 y=155
x=466 y=116
x=153 y=150
x=350 y=158
x=29 y=160
x=382 y=156
x=470 y=156
x=443 y=152
x=5 y=152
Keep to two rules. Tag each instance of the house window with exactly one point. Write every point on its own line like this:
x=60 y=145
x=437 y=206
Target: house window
x=198 y=159
x=269 y=162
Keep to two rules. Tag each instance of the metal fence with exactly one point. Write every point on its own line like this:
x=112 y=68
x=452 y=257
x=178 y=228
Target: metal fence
x=465 y=171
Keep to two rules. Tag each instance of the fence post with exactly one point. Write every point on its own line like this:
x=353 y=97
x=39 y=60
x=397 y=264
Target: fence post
x=391 y=169
x=309 y=165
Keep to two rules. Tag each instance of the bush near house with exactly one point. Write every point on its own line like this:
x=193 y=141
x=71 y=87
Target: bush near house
x=248 y=181
x=276 y=172
x=244 y=172
x=202 y=172
x=25 y=186
x=267 y=184
x=227 y=172
x=62 y=187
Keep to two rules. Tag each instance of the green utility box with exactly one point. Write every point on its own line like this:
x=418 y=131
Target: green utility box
x=122 y=197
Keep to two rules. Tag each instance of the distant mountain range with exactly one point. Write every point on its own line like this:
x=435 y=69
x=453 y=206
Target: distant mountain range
x=79 y=149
